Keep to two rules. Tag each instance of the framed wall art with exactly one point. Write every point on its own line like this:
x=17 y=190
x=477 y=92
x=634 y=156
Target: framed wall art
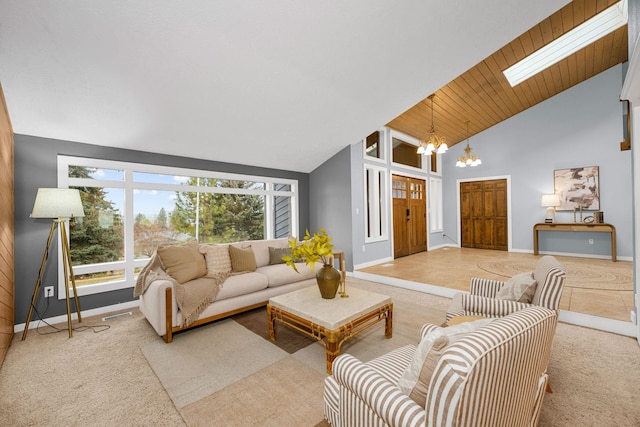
x=577 y=187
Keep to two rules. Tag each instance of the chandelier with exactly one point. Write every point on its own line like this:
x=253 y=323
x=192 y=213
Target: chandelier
x=434 y=143
x=469 y=158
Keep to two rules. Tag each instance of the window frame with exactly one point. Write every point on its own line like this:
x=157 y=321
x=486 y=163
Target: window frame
x=129 y=264
x=426 y=161
x=382 y=148
x=380 y=191
x=436 y=211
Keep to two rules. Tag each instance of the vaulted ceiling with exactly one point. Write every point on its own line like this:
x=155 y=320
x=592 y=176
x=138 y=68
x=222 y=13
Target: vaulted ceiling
x=483 y=96
x=282 y=84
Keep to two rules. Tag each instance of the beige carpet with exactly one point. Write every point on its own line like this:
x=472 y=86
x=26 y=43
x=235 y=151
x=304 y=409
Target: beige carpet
x=601 y=274
x=104 y=379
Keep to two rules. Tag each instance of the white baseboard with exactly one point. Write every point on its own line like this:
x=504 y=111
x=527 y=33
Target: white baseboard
x=579 y=319
x=407 y=284
x=74 y=316
x=601 y=323
x=371 y=263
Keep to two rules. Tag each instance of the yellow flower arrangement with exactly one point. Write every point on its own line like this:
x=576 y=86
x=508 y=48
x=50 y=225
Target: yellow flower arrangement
x=311 y=249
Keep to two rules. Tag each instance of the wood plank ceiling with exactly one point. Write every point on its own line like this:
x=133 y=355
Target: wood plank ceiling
x=484 y=97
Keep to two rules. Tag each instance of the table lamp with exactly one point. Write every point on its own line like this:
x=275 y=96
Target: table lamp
x=550 y=201
x=59 y=204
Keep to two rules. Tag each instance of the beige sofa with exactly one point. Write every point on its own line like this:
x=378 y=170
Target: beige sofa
x=238 y=292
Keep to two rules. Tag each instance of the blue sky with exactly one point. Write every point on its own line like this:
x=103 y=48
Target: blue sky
x=147 y=202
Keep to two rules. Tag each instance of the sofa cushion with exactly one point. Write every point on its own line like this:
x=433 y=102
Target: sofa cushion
x=242 y=259
x=182 y=262
x=261 y=248
x=242 y=284
x=520 y=288
x=217 y=259
x=416 y=378
x=276 y=254
x=282 y=274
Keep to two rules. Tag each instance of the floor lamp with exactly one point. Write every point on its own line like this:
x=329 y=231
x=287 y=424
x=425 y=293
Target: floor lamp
x=59 y=204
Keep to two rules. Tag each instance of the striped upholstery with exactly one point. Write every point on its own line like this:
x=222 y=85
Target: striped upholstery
x=495 y=376
x=480 y=301
x=391 y=366
x=485 y=287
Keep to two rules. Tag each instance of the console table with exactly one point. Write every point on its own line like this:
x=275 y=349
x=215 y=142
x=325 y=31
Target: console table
x=576 y=226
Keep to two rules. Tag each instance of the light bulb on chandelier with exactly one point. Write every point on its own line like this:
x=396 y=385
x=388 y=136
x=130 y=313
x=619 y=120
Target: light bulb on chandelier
x=434 y=143
x=469 y=158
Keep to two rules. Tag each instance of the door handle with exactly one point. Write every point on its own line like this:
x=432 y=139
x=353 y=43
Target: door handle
x=408 y=215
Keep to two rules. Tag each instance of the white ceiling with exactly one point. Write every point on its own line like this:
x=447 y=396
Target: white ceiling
x=279 y=83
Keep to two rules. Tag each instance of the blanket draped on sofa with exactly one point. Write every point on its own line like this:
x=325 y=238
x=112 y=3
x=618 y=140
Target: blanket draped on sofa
x=192 y=297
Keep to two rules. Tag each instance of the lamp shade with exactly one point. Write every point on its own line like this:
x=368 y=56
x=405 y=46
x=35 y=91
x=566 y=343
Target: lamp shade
x=550 y=200
x=57 y=203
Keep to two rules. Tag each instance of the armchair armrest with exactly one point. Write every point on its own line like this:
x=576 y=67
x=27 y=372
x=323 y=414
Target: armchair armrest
x=475 y=305
x=485 y=287
x=372 y=395
x=427 y=328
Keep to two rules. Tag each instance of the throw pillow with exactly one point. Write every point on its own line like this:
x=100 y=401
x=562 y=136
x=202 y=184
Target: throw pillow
x=242 y=259
x=276 y=254
x=415 y=380
x=520 y=287
x=182 y=262
x=217 y=259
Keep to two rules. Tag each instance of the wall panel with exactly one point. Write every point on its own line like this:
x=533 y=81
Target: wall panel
x=7 y=282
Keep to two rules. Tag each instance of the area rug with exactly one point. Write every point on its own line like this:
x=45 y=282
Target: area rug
x=286 y=339
x=207 y=359
x=212 y=372
x=240 y=378
x=600 y=274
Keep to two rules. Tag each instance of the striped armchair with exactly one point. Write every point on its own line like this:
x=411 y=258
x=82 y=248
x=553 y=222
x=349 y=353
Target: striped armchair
x=494 y=376
x=480 y=301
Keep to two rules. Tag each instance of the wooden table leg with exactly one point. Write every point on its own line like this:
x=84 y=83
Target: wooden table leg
x=388 y=323
x=271 y=323
x=332 y=348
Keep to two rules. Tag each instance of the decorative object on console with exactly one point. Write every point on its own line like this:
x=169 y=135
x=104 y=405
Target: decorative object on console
x=312 y=249
x=577 y=188
x=550 y=201
x=598 y=217
x=434 y=143
x=469 y=158
x=59 y=204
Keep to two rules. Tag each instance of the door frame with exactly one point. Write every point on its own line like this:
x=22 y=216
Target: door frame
x=390 y=216
x=509 y=220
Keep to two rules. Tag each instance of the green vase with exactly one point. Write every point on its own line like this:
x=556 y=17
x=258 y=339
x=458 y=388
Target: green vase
x=328 y=279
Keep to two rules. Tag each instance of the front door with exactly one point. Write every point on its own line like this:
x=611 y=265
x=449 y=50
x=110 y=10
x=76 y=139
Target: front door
x=409 y=215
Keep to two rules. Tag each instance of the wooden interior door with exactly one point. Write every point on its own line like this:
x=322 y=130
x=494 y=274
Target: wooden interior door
x=409 y=215
x=483 y=214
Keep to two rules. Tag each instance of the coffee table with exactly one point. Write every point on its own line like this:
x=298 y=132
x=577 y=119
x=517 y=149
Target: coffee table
x=330 y=321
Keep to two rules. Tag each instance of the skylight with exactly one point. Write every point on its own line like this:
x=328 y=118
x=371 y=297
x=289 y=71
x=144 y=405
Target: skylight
x=581 y=36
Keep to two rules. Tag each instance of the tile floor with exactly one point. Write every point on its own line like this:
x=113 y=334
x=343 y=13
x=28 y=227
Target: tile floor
x=452 y=268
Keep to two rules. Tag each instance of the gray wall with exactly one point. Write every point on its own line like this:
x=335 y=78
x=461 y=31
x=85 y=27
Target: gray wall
x=36 y=166
x=330 y=204
x=579 y=127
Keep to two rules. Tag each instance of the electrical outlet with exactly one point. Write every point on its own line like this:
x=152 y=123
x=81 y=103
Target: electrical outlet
x=591 y=241
x=48 y=291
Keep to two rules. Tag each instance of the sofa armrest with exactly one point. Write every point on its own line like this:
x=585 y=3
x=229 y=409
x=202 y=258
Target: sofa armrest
x=371 y=395
x=485 y=287
x=153 y=305
x=475 y=305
